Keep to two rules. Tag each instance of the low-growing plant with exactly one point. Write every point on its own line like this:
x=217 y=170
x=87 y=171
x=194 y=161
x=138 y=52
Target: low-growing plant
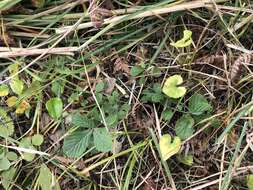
x=90 y=129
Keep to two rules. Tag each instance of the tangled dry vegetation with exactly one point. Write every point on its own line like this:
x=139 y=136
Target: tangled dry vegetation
x=125 y=95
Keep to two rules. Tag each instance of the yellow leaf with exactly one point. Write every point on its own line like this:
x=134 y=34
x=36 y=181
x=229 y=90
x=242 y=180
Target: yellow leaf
x=169 y=148
x=13 y=68
x=171 y=87
x=4 y=90
x=22 y=107
x=185 y=41
x=11 y=101
x=250 y=182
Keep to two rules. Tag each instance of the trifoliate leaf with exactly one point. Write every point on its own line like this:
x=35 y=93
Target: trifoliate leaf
x=37 y=139
x=198 y=104
x=102 y=140
x=169 y=148
x=185 y=41
x=171 y=87
x=76 y=143
x=54 y=107
x=184 y=126
x=4 y=90
x=12 y=101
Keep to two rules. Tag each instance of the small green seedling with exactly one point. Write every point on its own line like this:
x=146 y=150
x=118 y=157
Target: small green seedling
x=185 y=41
x=171 y=87
x=169 y=148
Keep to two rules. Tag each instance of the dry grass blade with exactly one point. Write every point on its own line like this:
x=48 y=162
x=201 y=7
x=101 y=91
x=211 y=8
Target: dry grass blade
x=17 y=52
x=154 y=12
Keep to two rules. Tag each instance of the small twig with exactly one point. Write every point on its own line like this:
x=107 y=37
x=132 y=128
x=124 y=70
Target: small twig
x=16 y=52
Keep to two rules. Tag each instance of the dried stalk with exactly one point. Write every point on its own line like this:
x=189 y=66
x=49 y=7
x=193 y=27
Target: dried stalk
x=16 y=52
x=158 y=11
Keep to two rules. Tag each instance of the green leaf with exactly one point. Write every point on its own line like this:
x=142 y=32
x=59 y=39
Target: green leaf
x=7 y=178
x=45 y=178
x=169 y=148
x=17 y=86
x=111 y=120
x=33 y=89
x=250 y=182
x=167 y=114
x=12 y=156
x=136 y=70
x=171 y=87
x=185 y=159
x=7 y=4
x=26 y=143
x=102 y=140
x=76 y=143
x=185 y=41
x=100 y=87
x=154 y=95
x=57 y=87
x=6 y=124
x=156 y=72
x=184 y=126
x=13 y=69
x=54 y=107
x=198 y=104
x=80 y=120
x=4 y=90
x=37 y=139
x=4 y=164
